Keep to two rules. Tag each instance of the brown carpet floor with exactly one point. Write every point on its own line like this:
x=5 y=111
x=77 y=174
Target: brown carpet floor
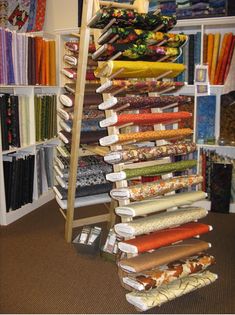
x=41 y=273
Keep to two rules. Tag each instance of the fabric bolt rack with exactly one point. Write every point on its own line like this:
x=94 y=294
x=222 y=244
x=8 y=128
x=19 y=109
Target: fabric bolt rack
x=138 y=53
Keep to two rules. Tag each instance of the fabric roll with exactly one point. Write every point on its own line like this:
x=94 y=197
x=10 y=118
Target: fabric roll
x=73 y=46
x=168 y=292
x=138 y=86
x=125 y=18
x=92 y=99
x=152 y=170
x=151 y=279
x=163 y=255
x=143 y=102
x=71 y=60
x=150 y=153
x=135 y=209
x=83 y=181
x=92 y=125
x=156 y=188
x=129 y=35
x=146 y=136
x=159 y=221
x=158 y=239
x=92 y=137
x=141 y=51
x=144 y=119
x=139 y=69
x=62 y=193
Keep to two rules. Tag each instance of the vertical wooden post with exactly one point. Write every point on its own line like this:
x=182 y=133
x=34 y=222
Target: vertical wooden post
x=78 y=109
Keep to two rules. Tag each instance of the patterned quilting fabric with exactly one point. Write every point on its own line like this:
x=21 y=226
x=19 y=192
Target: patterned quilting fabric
x=153 y=170
x=73 y=46
x=159 y=221
x=163 y=255
x=146 y=136
x=144 y=243
x=168 y=292
x=140 y=102
x=125 y=18
x=151 y=279
x=137 y=52
x=89 y=180
x=150 y=153
x=145 y=118
x=138 y=86
x=139 y=69
x=120 y=35
x=156 y=188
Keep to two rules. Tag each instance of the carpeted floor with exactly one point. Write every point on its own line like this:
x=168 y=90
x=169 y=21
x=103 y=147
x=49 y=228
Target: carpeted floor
x=41 y=273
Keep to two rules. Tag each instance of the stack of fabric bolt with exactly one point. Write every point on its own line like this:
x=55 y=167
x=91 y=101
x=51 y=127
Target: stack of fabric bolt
x=198 y=8
x=91 y=169
x=151 y=222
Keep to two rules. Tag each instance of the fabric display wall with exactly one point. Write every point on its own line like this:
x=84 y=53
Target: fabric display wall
x=91 y=169
x=152 y=223
x=218 y=179
x=26 y=59
x=23 y=16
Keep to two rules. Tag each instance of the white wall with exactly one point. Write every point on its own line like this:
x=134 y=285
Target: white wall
x=61 y=14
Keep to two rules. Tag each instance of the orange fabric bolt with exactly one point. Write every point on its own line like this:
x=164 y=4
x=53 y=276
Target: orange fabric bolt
x=168 y=236
x=151 y=118
x=52 y=64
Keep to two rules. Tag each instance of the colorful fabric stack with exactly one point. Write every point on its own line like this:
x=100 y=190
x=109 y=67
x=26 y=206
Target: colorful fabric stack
x=157 y=231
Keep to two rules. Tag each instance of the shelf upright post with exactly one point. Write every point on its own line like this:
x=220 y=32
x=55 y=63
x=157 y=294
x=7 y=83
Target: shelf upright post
x=78 y=109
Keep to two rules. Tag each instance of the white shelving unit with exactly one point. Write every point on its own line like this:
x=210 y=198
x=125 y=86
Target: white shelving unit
x=29 y=90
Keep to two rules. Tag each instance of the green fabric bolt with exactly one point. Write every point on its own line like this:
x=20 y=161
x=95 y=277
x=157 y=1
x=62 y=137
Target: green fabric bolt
x=160 y=169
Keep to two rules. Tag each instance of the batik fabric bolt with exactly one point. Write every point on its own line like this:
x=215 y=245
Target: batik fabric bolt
x=168 y=292
x=151 y=279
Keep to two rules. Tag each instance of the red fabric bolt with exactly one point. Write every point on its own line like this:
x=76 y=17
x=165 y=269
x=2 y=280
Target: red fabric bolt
x=168 y=236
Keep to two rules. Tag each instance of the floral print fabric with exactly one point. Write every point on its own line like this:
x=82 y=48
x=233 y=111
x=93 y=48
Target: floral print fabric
x=156 y=188
x=151 y=279
x=168 y=292
x=137 y=52
x=150 y=153
x=129 y=35
x=125 y=18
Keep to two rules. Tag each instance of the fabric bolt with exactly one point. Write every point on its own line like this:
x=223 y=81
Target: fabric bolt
x=138 y=86
x=92 y=137
x=40 y=16
x=144 y=243
x=153 y=170
x=167 y=292
x=10 y=70
x=139 y=69
x=151 y=279
x=144 y=119
x=32 y=15
x=3 y=13
x=125 y=18
x=83 y=181
x=129 y=35
x=144 y=102
x=146 y=136
x=67 y=99
x=62 y=193
x=71 y=60
x=137 y=52
x=163 y=255
x=92 y=114
x=150 y=153
x=221 y=179
x=159 y=221
x=73 y=46
x=135 y=209
x=91 y=125
x=154 y=189
x=71 y=73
